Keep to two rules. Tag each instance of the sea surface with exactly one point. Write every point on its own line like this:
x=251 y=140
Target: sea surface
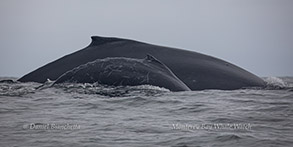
x=34 y=114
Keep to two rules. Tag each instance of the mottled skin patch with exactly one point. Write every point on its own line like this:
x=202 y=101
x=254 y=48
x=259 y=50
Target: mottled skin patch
x=125 y=71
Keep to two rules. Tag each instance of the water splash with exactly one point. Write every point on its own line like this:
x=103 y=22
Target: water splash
x=275 y=83
x=17 y=88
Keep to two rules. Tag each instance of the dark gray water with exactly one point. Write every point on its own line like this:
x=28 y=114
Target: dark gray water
x=93 y=115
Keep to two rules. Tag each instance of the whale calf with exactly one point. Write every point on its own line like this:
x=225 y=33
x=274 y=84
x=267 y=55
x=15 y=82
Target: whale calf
x=196 y=70
x=125 y=71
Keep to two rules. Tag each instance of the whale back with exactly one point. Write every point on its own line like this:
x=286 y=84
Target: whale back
x=196 y=70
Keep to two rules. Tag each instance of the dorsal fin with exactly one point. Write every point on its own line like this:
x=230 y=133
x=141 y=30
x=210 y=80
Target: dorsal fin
x=152 y=59
x=97 y=40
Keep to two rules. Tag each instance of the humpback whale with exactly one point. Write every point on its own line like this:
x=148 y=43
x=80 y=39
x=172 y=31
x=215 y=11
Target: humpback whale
x=196 y=70
x=123 y=71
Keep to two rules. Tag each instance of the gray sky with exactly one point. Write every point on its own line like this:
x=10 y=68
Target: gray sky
x=256 y=35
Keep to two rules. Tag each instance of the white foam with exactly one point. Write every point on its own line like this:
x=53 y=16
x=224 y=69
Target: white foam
x=275 y=82
x=151 y=87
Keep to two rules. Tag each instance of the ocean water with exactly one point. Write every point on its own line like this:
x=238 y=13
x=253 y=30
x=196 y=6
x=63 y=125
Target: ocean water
x=32 y=114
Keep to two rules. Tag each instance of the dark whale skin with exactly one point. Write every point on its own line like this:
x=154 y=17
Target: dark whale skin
x=196 y=70
x=121 y=71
